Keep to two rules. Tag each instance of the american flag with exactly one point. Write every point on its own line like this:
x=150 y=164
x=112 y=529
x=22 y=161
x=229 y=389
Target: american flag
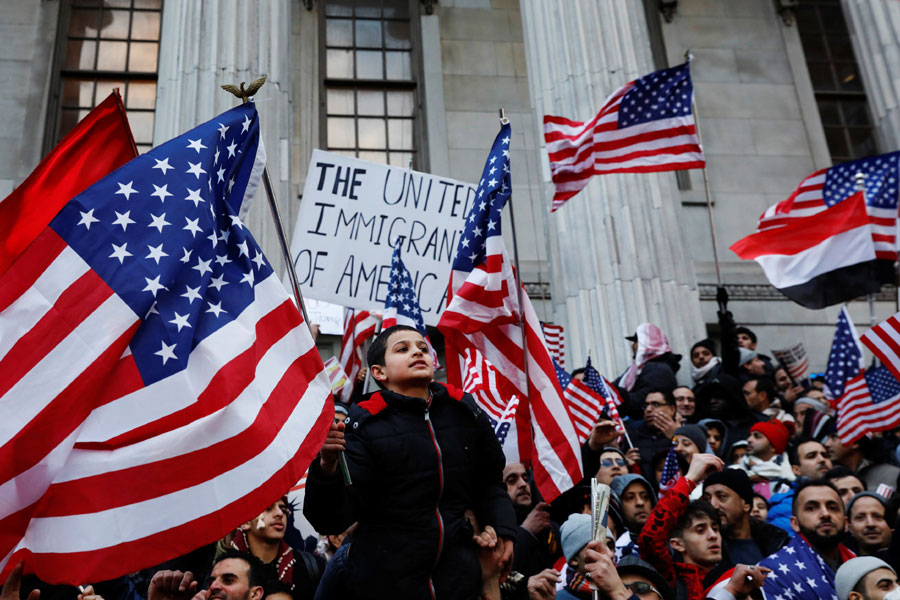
x=670 y=472
x=483 y=314
x=799 y=573
x=827 y=187
x=870 y=403
x=846 y=358
x=336 y=375
x=587 y=399
x=646 y=125
x=555 y=336
x=491 y=392
x=359 y=326
x=164 y=386
x=884 y=342
x=602 y=386
x=401 y=306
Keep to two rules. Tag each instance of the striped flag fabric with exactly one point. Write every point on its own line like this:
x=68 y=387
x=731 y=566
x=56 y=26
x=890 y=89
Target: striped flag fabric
x=870 y=403
x=821 y=260
x=483 y=314
x=884 y=342
x=160 y=385
x=795 y=359
x=336 y=375
x=827 y=187
x=401 y=306
x=845 y=360
x=359 y=326
x=670 y=472
x=584 y=404
x=555 y=336
x=491 y=392
x=646 y=125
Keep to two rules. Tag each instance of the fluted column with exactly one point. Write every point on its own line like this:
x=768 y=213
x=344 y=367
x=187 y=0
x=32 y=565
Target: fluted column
x=208 y=43
x=617 y=248
x=875 y=30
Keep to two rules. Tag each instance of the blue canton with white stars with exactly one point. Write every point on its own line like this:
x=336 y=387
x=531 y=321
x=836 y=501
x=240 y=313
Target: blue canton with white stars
x=593 y=380
x=883 y=386
x=163 y=232
x=402 y=293
x=562 y=375
x=670 y=473
x=483 y=220
x=798 y=573
x=659 y=95
x=844 y=360
x=881 y=180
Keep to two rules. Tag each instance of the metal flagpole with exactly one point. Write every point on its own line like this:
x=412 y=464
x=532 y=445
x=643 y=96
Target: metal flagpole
x=244 y=95
x=512 y=222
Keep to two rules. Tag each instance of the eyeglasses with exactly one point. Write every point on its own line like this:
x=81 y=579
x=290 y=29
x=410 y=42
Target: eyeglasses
x=642 y=587
x=654 y=405
x=608 y=462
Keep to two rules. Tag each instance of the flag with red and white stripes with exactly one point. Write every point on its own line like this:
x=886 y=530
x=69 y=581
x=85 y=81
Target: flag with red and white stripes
x=359 y=325
x=827 y=187
x=884 y=342
x=870 y=403
x=492 y=393
x=159 y=386
x=555 y=336
x=483 y=314
x=646 y=125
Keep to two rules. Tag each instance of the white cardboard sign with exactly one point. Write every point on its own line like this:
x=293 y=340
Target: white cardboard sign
x=352 y=214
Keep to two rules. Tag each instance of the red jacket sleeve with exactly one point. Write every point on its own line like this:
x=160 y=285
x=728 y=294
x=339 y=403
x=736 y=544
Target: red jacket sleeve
x=653 y=540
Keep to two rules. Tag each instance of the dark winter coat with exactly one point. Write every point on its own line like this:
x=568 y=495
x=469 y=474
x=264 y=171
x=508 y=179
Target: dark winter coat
x=657 y=374
x=415 y=470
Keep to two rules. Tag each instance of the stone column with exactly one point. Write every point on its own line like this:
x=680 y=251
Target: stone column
x=208 y=43
x=617 y=248
x=875 y=30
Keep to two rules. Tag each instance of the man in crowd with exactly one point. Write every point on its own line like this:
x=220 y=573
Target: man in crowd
x=654 y=432
x=612 y=464
x=750 y=365
x=747 y=540
x=765 y=460
x=785 y=386
x=866 y=578
x=759 y=393
x=689 y=528
x=818 y=516
x=685 y=404
x=809 y=460
x=864 y=457
x=537 y=538
x=747 y=339
x=235 y=576
x=653 y=368
x=846 y=482
x=637 y=498
x=868 y=524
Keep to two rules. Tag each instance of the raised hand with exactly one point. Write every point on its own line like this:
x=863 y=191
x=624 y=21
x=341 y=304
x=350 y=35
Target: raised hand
x=331 y=449
x=702 y=466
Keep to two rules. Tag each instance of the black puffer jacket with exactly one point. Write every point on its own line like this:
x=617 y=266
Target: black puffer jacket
x=414 y=474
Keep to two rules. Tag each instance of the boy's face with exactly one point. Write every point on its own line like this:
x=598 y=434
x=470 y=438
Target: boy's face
x=701 y=543
x=406 y=360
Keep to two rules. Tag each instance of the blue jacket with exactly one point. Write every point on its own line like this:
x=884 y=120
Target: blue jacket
x=780 y=510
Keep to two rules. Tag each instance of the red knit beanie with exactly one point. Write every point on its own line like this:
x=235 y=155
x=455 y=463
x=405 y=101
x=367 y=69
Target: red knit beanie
x=776 y=432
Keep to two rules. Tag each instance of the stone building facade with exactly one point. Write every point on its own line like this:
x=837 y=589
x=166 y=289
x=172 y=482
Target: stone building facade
x=782 y=88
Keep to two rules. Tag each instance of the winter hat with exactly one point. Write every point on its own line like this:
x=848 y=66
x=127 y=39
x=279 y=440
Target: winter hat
x=341 y=409
x=865 y=495
x=575 y=533
x=707 y=343
x=735 y=480
x=746 y=356
x=851 y=572
x=633 y=565
x=618 y=485
x=776 y=432
x=695 y=433
x=813 y=402
x=606 y=449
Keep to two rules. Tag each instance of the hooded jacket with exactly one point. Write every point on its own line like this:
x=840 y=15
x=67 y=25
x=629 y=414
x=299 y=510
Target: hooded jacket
x=415 y=469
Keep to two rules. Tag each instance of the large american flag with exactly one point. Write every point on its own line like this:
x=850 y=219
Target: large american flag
x=827 y=187
x=644 y=126
x=401 y=305
x=799 y=573
x=870 y=403
x=359 y=326
x=483 y=314
x=846 y=358
x=159 y=384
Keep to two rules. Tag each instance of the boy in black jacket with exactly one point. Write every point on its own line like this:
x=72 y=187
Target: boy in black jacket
x=420 y=456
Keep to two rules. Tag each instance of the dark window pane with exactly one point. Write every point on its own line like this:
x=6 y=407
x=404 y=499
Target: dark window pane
x=841 y=48
x=339 y=32
x=861 y=141
x=398 y=65
x=84 y=23
x=141 y=94
x=371 y=133
x=148 y=4
x=396 y=9
x=115 y=24
x=340 y=63
x=368 y=34
x=145 y=26
x=822 y=78
x=837 y=143
x=848 y=76
x=143 y=56
x=832 y=18
x=141 y=126
x=396 y=34
x=342 y=8
x=77 y=93
x=807 y=19
x=370 y=102
x=855 y=113
x=341 y=133
x=400 y=104
x=340 y=102
x=814 y=47
x=111 y=56
x=829 y=112
x=81 y=55
x=368 y=8
x=368 y=65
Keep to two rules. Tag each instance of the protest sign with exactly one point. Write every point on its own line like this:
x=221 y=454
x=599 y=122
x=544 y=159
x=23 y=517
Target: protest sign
x=352 y=214
x=329 y=317
x=795 y=360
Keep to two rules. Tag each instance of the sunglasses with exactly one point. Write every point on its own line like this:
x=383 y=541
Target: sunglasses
x=642 y=587
x=608 y=462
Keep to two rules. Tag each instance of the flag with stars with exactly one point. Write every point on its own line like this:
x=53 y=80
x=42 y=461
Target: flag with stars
x=491 y=393
x=670 y=472
x=870 y=403
x=401 y=306
x=799 y=573
x=846 y=358
x=828 y=187
x=586 y=399
x=646 y=125
x=164 y=385
x=483 y=314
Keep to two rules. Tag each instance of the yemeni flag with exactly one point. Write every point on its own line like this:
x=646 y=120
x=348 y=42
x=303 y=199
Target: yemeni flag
x=821 y=260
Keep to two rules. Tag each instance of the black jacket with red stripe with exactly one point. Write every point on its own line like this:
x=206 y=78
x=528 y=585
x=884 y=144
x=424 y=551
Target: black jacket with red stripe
x=414 y=474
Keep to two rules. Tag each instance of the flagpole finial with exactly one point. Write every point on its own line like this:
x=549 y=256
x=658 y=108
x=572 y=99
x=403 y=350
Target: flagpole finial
x=503 y=119
x=245 y=94
x=860 y=178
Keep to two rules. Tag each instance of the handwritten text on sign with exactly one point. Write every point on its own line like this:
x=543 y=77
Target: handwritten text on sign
x=352 y=214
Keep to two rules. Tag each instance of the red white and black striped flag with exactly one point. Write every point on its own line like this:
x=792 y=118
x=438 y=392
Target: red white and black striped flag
x=483 y=314
x=646 y=125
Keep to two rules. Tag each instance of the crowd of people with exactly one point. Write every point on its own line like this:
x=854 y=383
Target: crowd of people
x=412 y=497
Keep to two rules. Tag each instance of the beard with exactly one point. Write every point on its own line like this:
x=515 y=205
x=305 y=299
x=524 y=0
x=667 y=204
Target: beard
x=824 y=542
